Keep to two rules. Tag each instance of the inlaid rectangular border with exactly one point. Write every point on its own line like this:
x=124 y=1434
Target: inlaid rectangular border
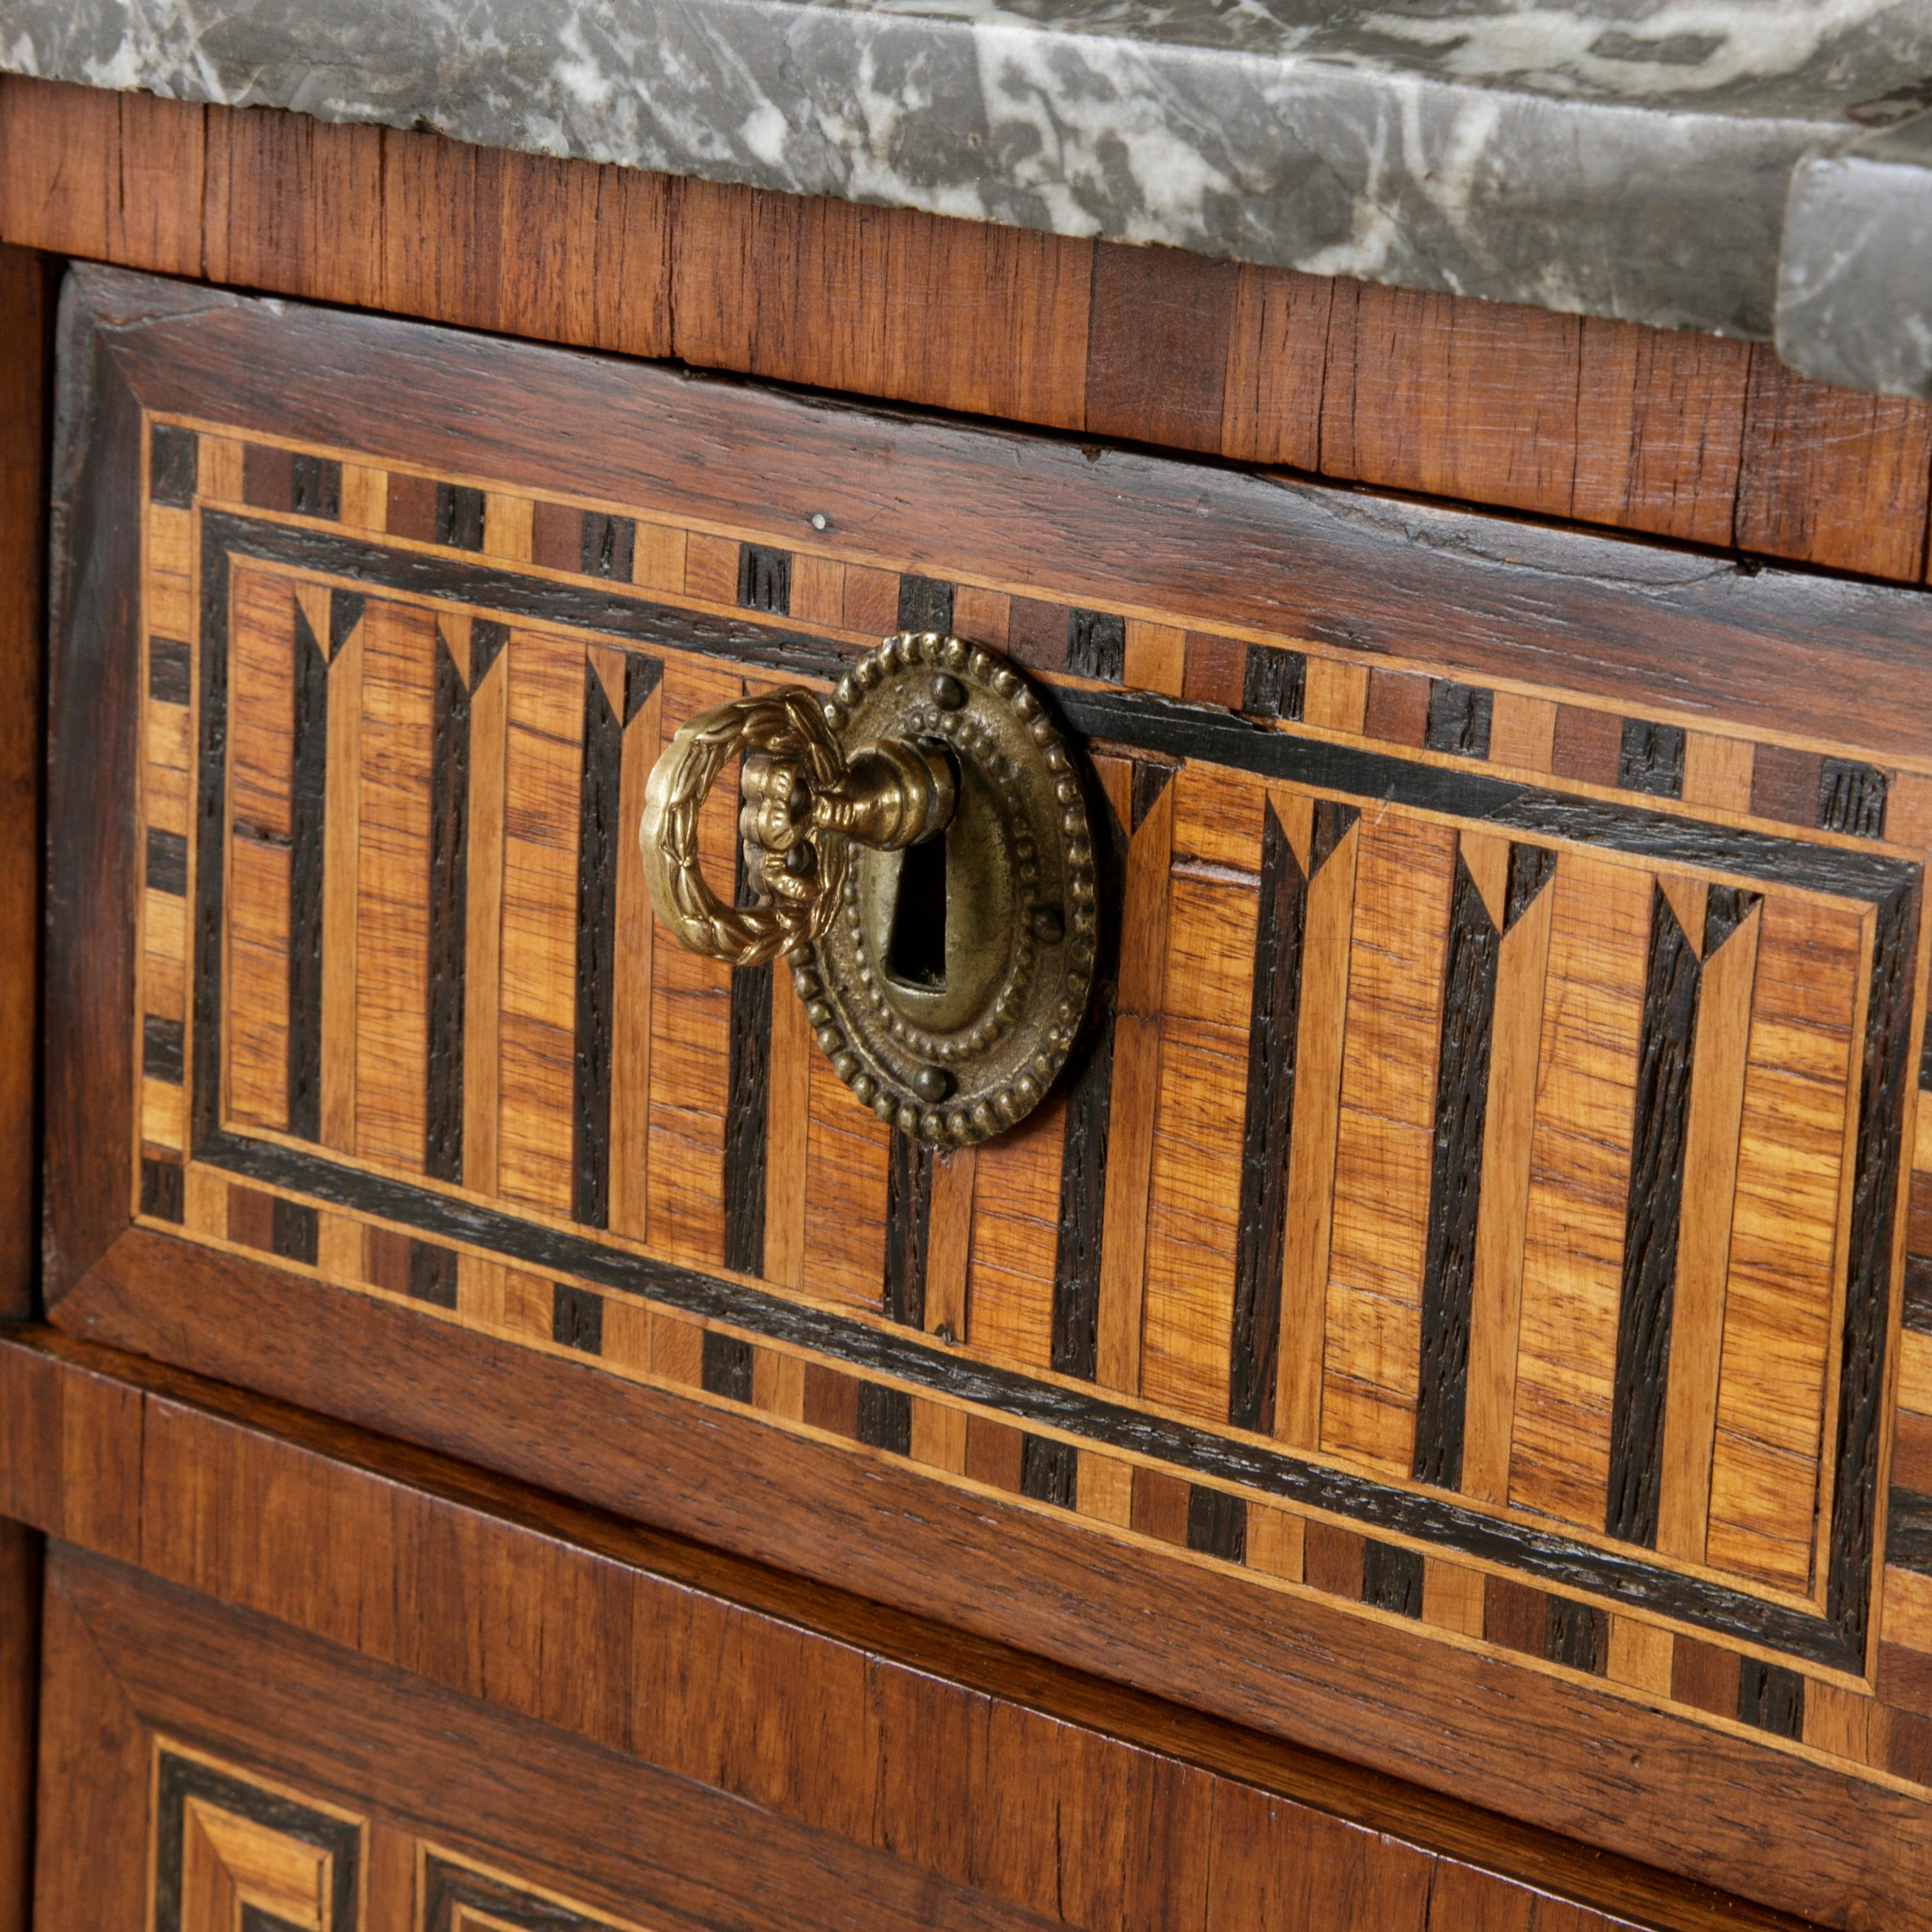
x=1889 y=884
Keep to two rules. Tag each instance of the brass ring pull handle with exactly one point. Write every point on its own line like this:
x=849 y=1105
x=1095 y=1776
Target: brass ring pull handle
x=804 y=802
x=919 y=843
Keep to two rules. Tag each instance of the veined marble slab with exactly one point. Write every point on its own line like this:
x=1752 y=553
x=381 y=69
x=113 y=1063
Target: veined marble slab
x=1631 y=158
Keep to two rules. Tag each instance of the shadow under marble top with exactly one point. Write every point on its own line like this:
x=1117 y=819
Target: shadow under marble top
x=1632 y=158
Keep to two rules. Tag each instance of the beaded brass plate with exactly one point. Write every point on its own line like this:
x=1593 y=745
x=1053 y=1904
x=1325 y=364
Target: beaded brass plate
x=949 y=989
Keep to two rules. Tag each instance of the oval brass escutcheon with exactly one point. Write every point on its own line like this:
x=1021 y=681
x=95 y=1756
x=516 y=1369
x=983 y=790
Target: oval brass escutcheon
x=922 y=840
x=950 y=987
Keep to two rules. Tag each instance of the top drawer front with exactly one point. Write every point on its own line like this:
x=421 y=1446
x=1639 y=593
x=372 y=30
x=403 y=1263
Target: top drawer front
x=1457 y=1150
x=1477 y=1205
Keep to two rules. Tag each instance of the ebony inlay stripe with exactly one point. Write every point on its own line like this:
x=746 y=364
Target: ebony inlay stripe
x=1150 y=781
x=885 y=1417
x=1851 y=798
x=433 y=1277
x=642 y=675
x=925 y=604
x=210 y=814
x=1665 y=1041
x=1918 y=1313
x=161 y=1043
x=1577 y=1636
x=1531 y=868
x=161 y=1189
x=449 y=915
x=168 y=670
x=1074 y=1348
x=908 y=1212
x=747 y=1107
x=1332 y=824
x=308 y=837
x=1726 y=908
x=1650 y=758
x=459 y=516
x=1096 y=645
x=764 y=579
x=609 y=546
x=1049 y=1470
x=1459 y=718
x=345 y=612
x=1461 y=1106
x=599 y=852
x=1217 y=1523
x=179 y=1779
x=167 y=862
x=1167 y=727
x=1422 y=1516
x=315 y=486
x=1274 y=1007
x=1884 y=1070
x=1908 y=1536
x=293 y=1231
x=1771 y=1697
x=174 y=463
x=1146 y=720
x=1083 y=1200
x=1274 y=682
x=577 y=1318
x=1392 y=1578
x=725 y=1367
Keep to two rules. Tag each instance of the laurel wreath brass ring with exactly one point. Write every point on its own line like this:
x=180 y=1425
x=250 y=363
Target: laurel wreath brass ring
x=781 y=725
x=921 y=845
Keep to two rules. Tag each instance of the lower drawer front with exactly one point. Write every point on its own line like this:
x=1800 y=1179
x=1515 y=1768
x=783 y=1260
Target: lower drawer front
x=1461 y=1266
x=618 y=1741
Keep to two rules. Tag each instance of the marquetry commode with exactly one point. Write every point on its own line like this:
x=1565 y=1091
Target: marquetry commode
x=1465 y=1293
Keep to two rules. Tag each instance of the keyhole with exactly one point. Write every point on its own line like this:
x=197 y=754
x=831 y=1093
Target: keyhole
x=916 y=945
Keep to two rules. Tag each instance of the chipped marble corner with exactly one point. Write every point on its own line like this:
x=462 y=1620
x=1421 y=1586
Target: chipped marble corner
x=1854 y=276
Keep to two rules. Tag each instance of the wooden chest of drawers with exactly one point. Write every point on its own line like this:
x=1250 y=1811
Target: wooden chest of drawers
x=1458 y=1312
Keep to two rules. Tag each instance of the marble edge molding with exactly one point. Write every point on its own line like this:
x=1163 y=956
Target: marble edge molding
x=1285 y=132
x=1854 y=274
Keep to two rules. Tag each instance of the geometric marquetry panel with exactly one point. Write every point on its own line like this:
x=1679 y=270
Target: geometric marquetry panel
x=231 y=1855
x=1479 y=1199
x=455 y=1896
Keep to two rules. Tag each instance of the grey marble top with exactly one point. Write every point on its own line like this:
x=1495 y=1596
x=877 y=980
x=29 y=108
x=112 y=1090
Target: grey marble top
x=1749 y=166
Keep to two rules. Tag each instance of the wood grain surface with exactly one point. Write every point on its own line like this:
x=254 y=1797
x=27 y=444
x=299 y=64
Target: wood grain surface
x=1475 y=598
x=734 y=1746
x=20 y=1554
x=26 y=338
x=26 y=328
x=1454 y=1720
x=1670 y=433
x=1142 y=1358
